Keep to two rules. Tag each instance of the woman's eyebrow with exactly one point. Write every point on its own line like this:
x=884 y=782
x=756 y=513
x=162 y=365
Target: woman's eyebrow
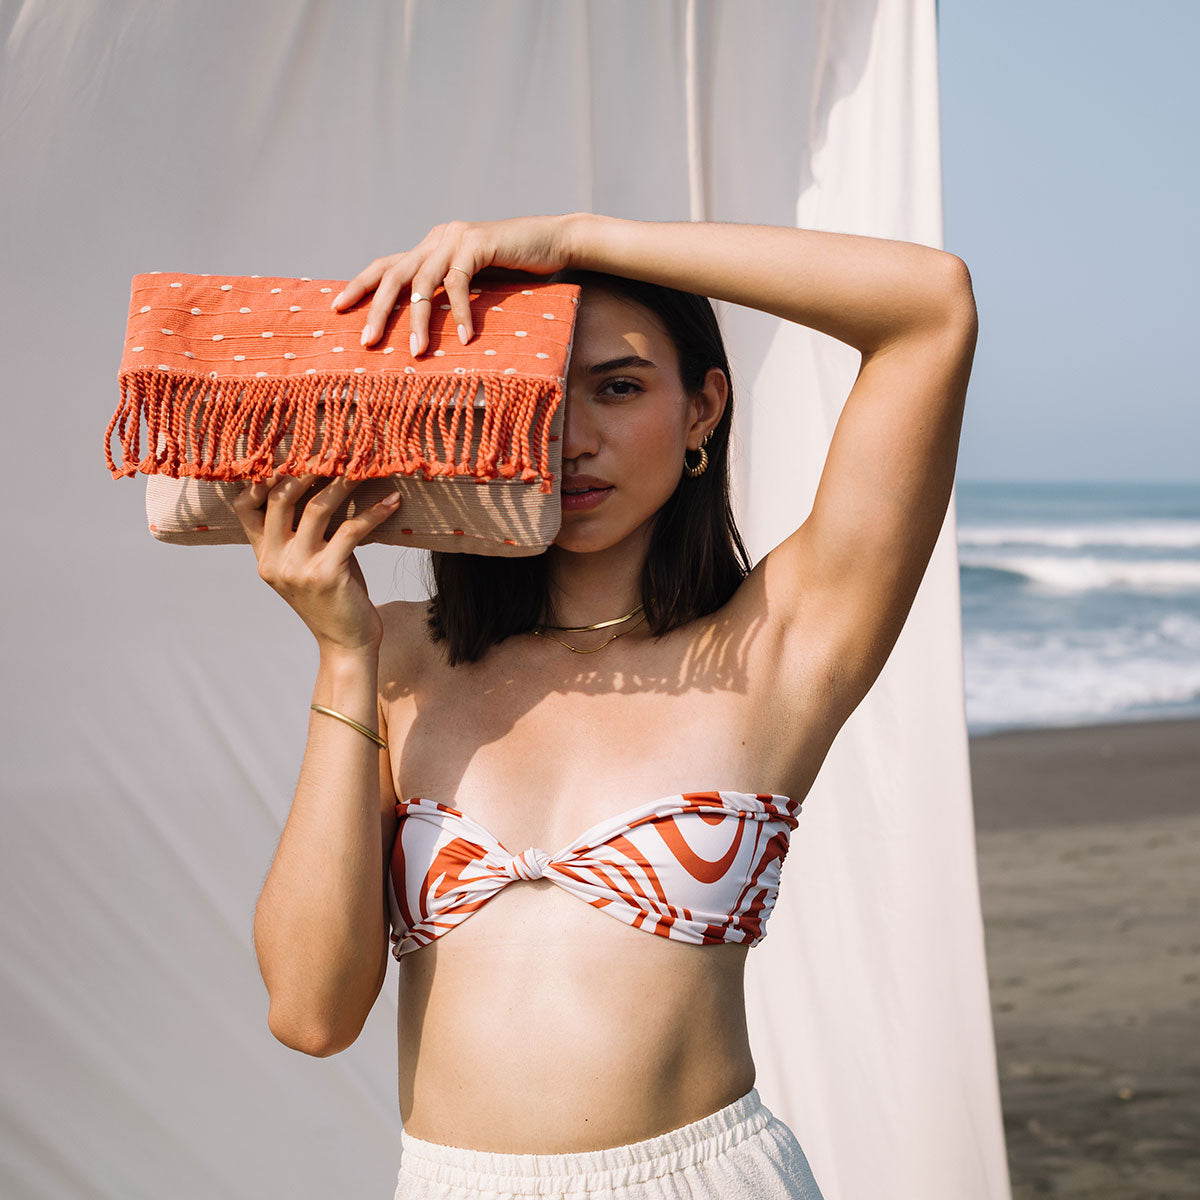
x=621 y=364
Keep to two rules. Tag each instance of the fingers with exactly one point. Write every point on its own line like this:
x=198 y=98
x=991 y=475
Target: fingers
x=447 y=258
x=457 y=282
x=353 y=529
x=266 y=513
x=394 y=279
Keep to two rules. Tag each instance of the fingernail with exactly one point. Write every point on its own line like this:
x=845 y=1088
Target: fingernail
x=367 y=334
x=337 y=300
x=412 y=344
x=463 y=335
x=394 y=498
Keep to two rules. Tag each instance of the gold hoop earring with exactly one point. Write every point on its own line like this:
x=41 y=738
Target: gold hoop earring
x=702 y=465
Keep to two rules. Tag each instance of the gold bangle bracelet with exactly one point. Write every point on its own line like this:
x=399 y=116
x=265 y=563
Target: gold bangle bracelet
x=350 y=721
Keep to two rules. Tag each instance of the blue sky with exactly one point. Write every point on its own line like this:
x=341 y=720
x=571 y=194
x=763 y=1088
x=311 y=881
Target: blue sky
x=1070 y=138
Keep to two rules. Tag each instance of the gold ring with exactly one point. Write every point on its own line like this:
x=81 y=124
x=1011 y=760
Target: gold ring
x=417 y=296
x=465 y=272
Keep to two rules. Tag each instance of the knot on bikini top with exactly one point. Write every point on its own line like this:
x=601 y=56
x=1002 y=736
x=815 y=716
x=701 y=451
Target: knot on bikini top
x=529 y=864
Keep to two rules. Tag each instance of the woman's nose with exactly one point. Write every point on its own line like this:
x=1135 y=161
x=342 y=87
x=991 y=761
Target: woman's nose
x=579 y=433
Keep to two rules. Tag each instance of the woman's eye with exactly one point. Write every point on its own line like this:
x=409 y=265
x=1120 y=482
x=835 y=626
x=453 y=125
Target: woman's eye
x=632 y=384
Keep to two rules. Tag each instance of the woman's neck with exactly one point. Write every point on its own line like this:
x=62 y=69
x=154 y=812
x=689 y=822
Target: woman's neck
x=598 y=586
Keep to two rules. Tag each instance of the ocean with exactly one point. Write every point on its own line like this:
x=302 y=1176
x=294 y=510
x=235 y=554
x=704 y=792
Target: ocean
x=1080 y=602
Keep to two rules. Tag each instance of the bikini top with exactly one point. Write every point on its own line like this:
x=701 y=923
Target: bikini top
x=699 y=867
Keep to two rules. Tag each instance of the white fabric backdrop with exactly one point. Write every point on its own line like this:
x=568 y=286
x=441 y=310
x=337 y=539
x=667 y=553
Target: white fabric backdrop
x=156 y=698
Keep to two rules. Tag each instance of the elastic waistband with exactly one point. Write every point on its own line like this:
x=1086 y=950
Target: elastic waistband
x=586 y=1170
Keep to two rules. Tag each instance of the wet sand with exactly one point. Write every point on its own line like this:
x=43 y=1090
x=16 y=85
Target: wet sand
x=1089 y=863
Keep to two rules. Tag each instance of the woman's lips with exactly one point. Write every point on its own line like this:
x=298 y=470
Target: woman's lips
x=589 y=499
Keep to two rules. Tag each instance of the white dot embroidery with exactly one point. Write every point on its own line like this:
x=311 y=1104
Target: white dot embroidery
x=144 y=308
x=177 y=285
x=137 y=347
x=259 y=374
x=243 y=309
x=360 y=370
x=548 y=316
x=212 y=374
x=439 y=354
x=267 y=333
x=445 y=306
x=218 y=337
x=306 y=278
x=195 y=312
x=326 y=290
x=163 y=367
x=541 y=355
x=410 y=370
x=520 y=333
x=227 y=287
x=318 y=332
x=311 y=371
x=526 y=292
x=497 y=308
x=289 y=354
x=460 y=370
x=188 y=354
x=294 y=308
x=389 y=349
x=239 y=358
x=489 y=352
x=168 y=332
x=338 y=349
x=276 y=291
x=510 y=370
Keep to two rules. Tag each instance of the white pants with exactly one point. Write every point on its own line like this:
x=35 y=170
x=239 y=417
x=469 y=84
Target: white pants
x=740 y=1152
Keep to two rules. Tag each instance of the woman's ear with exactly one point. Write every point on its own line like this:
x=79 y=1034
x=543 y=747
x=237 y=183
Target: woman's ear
x=708 y=405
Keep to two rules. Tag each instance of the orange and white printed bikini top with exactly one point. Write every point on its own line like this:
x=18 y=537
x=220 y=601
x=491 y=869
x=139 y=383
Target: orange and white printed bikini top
x=699 y=867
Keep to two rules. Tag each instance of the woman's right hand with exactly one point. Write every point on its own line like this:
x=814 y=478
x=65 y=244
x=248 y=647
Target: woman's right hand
x=320 y=578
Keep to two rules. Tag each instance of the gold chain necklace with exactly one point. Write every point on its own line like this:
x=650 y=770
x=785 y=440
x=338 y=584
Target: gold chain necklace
x=538 y=632
x=598 y=625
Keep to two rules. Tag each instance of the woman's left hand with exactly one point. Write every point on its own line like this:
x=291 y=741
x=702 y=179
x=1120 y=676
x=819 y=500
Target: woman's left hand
x=538 y=245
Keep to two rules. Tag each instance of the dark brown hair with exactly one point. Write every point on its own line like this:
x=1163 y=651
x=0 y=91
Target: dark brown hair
x=696 y=558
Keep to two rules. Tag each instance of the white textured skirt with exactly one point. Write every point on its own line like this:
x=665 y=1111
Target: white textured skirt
x=740 y=1152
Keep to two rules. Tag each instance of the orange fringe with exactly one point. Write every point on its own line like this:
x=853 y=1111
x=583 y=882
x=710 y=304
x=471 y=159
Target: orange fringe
x=385 y=425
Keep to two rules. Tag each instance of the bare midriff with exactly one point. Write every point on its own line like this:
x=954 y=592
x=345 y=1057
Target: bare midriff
x=543 y=1026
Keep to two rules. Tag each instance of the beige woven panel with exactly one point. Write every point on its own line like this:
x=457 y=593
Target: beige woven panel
x=496 y=517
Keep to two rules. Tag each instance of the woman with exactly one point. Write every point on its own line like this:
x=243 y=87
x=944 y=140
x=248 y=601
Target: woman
x=637 y=681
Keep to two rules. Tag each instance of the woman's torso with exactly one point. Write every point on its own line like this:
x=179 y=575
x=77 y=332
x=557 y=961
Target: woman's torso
x=540 y=1024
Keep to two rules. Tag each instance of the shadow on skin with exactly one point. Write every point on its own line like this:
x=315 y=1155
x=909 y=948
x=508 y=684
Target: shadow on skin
x=709 y=655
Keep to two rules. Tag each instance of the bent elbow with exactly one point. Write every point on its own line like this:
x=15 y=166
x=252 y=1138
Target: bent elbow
x=313 y=1041
x=960 y=292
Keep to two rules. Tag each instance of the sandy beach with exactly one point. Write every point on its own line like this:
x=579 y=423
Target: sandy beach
x=1089 y=861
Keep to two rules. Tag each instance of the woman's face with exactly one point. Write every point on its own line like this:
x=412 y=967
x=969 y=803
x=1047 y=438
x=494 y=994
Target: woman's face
x=626 y=423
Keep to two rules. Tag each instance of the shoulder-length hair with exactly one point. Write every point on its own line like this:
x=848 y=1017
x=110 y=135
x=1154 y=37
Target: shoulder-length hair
x=696 y=558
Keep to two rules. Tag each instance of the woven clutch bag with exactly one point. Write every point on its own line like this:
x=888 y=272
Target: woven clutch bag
x=237 y=376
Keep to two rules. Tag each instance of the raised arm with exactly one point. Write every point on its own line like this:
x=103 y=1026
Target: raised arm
x=850 y=572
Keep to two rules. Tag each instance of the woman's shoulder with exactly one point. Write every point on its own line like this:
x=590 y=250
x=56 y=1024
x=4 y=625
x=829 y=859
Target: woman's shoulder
x=406 y=644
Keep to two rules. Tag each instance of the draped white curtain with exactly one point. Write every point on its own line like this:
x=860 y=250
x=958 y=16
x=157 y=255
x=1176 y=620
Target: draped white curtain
x=156 y=697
